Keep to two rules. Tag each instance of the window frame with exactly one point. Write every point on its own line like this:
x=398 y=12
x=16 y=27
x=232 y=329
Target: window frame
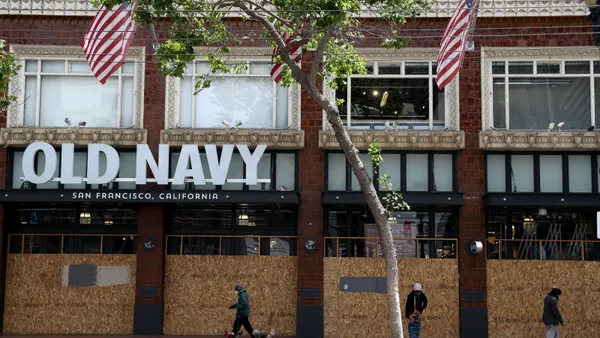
x=236 y=55
x=16 y=112
x=403 y=172
x=594 y=167
x=407 y=55
x=489 y=55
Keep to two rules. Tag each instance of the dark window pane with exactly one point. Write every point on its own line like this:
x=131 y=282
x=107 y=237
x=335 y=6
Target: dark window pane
x=125 y=245
x=200 y=245
x=15 y=244
x=107 y=220
x=277 y=246
x=266 y=217
x=520 y=67
x=389 y=69
x=416 y=68
x=174 y=245
x=535 y=102
x=577 y=67
x=42 y=244
x=498 y=67
x=201 y=219
x=82 y=244
x=548 y=68
x=247 y=246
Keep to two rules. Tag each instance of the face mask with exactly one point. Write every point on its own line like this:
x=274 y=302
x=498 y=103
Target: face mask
x=235 y=292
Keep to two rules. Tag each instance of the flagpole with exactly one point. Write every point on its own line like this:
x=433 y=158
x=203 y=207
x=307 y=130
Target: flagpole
x=474 y=11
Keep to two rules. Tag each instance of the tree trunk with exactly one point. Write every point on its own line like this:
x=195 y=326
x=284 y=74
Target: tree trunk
x=377 y=209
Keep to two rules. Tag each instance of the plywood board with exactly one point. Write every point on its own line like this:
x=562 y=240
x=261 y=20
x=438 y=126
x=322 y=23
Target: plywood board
x=516 y=291
x=199 y=290
x=366 y=314
x=37 y=302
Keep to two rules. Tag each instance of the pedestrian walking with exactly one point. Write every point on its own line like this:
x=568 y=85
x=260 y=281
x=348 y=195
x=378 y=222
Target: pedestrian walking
x=242 y=316
x=551 y=316
x=416 y=302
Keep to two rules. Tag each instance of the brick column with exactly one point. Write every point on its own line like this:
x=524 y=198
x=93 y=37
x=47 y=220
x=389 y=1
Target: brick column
x=309 y=316
x=149 y=302
x=472 y=268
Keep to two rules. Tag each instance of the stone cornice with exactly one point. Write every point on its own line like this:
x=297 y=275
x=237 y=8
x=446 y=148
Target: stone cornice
x=439 y=9
x=539 y=140
x=275 y=139
x=77 y=136
x=398 y=140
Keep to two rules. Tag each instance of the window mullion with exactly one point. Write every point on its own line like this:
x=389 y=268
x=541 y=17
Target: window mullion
x=592 y=95
x=274 y=104
x=119 y=97
x=506 y=102
x=38 y=85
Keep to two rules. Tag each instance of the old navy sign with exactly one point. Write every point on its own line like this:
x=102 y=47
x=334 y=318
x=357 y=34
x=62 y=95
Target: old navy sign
x=187 y=169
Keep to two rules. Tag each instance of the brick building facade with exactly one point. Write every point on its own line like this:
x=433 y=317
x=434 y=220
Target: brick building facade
x=465 y=138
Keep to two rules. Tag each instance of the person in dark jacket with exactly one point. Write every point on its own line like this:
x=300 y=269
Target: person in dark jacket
x=416 y=302
x=242 y=311
x=551 y=316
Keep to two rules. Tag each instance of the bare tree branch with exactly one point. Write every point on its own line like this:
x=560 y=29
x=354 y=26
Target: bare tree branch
x=269 y=12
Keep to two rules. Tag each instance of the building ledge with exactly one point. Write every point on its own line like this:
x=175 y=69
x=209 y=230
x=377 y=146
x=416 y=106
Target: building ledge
x=539 y=140
x=398 y=140
x=273 y=138
x=79 y=136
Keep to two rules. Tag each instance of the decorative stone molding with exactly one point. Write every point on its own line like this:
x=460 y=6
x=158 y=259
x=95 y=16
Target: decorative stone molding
x=398 y=140
x=172 y=98
x=17 y=86
x=539 y=140
x=452 y=118
x=491 y=54
x=440 y=9
x=275 y=139
x=78 y=136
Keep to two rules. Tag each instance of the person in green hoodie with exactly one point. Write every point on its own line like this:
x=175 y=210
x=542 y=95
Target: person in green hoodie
x=242 y=311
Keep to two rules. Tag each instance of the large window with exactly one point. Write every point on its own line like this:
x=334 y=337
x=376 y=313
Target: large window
x=126 y=170
x=75 y=229
x=533 y=94
x=542 y=172
x=246 y=98
x=60 y=91
x=279 y=167
x=244 y=230
x=394 y=95
x=547 y=234
x=417 y=234
x=408 y=171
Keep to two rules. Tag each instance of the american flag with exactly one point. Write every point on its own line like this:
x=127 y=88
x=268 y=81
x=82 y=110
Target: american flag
x=295 y=54
x=452 y=48
x=108 y=39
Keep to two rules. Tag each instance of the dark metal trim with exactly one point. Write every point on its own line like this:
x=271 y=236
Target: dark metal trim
x=541 y=199
x=412 y=198
x=151 y=196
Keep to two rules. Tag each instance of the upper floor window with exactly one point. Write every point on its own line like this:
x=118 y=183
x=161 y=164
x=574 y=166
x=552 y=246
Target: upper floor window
x=394 y=95
x=60 y=91
x=408 y=171
x=243 y=99
x=532 y=92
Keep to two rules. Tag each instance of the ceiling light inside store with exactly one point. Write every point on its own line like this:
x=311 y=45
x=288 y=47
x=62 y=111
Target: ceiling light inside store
x=543 y=212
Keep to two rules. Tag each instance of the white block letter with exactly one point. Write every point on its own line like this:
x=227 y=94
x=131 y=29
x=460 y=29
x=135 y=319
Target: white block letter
x=29 y=159
x=160 y=171
x=251 y=161
x=93 y=164
x=67 y=156
x=189 y=154
x=219 y=169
